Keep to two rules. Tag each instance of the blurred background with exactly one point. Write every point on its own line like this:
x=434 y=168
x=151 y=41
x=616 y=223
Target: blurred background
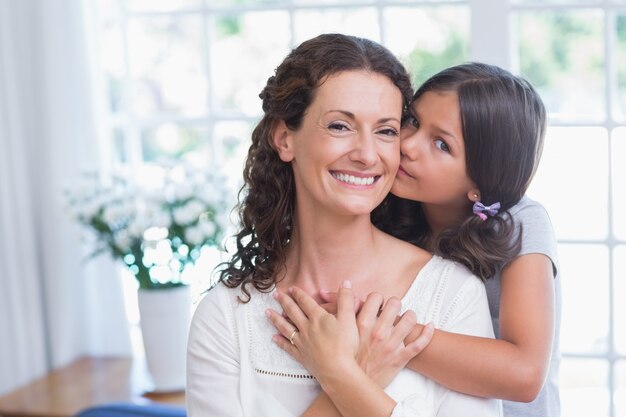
x=127 y=86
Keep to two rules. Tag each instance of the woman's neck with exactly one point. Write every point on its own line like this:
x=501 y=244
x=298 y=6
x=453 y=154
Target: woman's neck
x=322 y=254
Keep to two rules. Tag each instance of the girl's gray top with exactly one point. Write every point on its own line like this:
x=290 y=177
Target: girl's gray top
x=537 y=237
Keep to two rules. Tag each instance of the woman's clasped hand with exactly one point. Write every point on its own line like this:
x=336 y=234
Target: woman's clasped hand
x=372 y=335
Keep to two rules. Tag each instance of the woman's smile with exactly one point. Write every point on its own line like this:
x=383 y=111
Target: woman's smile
x=355 y=179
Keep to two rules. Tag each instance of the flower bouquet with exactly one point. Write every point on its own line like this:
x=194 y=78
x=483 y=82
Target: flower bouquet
x=157 y=230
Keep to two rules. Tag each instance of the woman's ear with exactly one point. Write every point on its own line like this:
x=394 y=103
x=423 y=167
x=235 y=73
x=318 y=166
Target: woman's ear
x=473 y=195
x=282 y=138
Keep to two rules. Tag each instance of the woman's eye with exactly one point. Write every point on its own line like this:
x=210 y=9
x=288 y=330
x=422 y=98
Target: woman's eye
x=388 y=132
x=338 y=126
x=410 y=121
x=442 y=146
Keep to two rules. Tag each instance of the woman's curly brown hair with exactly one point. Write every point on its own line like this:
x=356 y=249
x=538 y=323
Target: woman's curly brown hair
x=267 y=199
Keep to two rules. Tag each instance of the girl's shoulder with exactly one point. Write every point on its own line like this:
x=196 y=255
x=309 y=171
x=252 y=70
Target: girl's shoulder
x=538 y=234
x=527 y=207
x=533 y=218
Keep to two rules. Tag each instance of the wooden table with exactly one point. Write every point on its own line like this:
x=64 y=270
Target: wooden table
x=85 y=382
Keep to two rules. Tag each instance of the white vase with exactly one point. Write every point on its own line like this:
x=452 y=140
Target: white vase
x=165 y=315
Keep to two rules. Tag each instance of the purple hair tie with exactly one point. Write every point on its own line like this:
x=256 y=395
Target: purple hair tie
x=483 y=211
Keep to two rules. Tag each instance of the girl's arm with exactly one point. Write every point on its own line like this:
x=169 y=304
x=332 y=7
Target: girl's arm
x=515 y=366
x=328 y=345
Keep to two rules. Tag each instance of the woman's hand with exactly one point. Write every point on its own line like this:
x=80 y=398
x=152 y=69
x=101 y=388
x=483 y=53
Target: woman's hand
x=329 y=301
x=376 y=337
x=383 y=349
x=322 y=342
x=380 y=354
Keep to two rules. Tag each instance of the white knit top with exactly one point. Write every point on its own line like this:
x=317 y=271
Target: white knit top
x=234 y=368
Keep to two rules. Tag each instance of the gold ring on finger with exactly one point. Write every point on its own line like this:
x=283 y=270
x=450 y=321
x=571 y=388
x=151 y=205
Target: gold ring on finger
x=293 y=334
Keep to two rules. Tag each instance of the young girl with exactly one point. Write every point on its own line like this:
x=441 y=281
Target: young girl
x=470 y=148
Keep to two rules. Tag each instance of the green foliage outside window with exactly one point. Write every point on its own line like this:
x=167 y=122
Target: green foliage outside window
x=422 y=63
x=554 y=47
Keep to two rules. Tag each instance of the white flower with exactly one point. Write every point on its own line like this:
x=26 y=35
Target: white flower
x=88 y=210
x=83 y=191
x=223 y=219
x=154 y=197
x=195 y=201
x=162 y=219
x=123 y=240
x=127 y=209
x=208 y=228
x=210 y=195
x=137 y=227
x=194 y=235
x=196 y=208
x=182 y=191
x=112 y=215
x=187 y=214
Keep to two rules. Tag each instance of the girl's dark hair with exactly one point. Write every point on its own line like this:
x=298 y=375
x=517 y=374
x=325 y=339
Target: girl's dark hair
x=503 y=123
x=267 y=199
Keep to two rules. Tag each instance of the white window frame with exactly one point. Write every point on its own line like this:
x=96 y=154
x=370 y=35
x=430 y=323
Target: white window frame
x=492 y=40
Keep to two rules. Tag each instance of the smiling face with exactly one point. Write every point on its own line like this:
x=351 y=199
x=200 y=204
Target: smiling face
x=346 y=153
x=432 y=167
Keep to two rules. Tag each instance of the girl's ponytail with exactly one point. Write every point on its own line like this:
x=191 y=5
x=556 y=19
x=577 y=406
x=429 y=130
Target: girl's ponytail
x=482 y=246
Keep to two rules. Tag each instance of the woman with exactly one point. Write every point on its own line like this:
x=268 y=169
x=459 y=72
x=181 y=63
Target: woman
x=322 y=158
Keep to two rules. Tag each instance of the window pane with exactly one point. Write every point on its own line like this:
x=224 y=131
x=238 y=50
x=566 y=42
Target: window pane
x=242 y=61
x=571 y=181
x=620 y=389
x=167 y=142
x=428 y=39
x=543 y=2
x=426 y=1
x=162 y=5
x=585 y=281
x=619 y=290
x=120 y=147
x=323 y=3
x=108 y=9
x=167 y=63
x=112 y=62
x=234 y=139
x=235 y=3
x=584 y=388
x=618 y=153
x=561 y=53
x=361 y=22
x=620 y=61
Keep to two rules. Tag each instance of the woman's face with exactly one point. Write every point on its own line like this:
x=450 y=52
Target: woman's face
x=432 y=167
x=346 y=152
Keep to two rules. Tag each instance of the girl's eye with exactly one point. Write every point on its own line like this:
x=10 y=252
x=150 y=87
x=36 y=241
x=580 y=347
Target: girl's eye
x=338 y=126
x=442 y=145
x=410 y=121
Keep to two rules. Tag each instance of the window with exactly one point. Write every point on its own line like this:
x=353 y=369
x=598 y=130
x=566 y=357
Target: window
x=182 y=80
x=573 y=52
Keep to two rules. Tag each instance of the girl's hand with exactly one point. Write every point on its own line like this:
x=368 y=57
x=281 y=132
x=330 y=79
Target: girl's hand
x=384 y=346
x=329 y=301
x=322 y=342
